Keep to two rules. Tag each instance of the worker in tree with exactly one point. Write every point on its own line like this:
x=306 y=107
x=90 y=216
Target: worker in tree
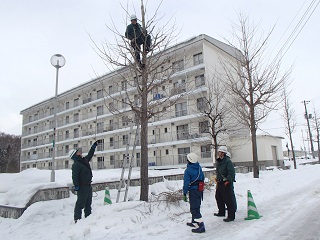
x=135 y=33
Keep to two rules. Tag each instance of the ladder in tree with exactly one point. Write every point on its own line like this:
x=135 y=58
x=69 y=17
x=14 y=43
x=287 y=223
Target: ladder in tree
x=127 y=163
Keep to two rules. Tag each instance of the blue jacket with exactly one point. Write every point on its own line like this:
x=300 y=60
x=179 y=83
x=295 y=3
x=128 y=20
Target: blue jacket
x=192 y=174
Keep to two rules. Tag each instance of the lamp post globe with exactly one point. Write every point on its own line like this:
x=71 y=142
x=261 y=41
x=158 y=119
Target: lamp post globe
x=58 y=61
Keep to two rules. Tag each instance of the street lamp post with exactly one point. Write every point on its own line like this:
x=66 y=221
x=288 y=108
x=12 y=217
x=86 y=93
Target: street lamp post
x=57 y=61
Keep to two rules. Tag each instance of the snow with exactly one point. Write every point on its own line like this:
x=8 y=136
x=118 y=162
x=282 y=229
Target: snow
x=288 y=201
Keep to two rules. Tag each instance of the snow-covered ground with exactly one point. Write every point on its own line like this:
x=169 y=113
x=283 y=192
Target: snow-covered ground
x=288 y=200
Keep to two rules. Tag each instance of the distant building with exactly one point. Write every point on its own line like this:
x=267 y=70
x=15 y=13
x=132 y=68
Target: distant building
x=84 y=115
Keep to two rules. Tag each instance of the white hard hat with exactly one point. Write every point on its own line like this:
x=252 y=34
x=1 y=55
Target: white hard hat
x=192 y=157
x=133 y=17
x=72 y=152
x=223 y=149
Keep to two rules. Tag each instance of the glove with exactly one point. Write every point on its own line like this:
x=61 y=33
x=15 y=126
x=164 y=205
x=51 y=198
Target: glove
x=226 y=183
x=76 y=188
x=95 y=144
x=185 y=198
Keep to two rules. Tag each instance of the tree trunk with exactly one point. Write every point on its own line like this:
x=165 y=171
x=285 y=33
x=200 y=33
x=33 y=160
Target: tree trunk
x=144 y=190
x=293 y=154
x=254 y=143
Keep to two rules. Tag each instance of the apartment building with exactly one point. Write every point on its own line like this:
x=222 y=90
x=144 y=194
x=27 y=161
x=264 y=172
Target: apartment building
x=85 y=113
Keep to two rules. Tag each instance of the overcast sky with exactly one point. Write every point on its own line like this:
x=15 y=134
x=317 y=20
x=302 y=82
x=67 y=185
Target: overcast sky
x=34 y=30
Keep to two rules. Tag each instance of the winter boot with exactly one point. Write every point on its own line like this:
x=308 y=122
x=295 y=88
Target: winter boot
x=200 y=228
x=192 y=224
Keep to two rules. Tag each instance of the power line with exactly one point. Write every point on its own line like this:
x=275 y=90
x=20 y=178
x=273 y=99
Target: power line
x=297 y=27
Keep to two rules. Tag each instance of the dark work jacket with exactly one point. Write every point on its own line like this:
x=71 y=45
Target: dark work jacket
x=81 y=170
x=134 y=31
x=225 y=170
x=193 y=173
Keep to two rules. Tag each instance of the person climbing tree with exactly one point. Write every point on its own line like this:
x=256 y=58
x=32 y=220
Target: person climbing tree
x=138 y=37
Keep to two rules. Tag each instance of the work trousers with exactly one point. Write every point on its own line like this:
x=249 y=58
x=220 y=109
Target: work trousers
x=136 y=44
x=225 y=197
x=84 y=200
x=195 y=198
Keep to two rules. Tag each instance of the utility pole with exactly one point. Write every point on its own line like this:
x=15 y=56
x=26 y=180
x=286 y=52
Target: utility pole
x=307 y=116
x=304 y=146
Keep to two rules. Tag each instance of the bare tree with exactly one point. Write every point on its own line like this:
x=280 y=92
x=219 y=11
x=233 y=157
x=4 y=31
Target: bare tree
x=255 y=85
x=289 y=118
x=214 y=109
x=150 y=77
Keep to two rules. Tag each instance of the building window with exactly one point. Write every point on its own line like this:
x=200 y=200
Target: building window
x=125 y=139
x=165 y=130
x=67 y=105
x=67 y=134
x=206 y=151
x=198 y=59
x=51 y=124
x=111 y=107
x=76 y=117
x=51 y=111
x=177 y=66
x=123 y=85
x=182 y=155
x=76 y=102
x=66 y=149
x=99 y=110
x=138 y=158
x=30 y=118
x=124 y=102
x=111 y=142
x=67 y=119
x=76 y=133
x=99 y=94
x=204 y=127
x=201 y=104
x=35 y=129
x=200 y=81
x=167 y=151
x=100 y=162
x=179 y=87
x=110 y=89
x=111 y=160
x=36 y=117
x=75 y=146
x=66 y=164
x=182 y=132
x=181 y=109
x=100 y=126
x=125 y=121
x=100 y=145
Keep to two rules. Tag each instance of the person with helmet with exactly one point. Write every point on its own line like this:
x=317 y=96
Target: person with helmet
x=82 y=177
x=193 y=176
x=224 y=192
x=137 y=36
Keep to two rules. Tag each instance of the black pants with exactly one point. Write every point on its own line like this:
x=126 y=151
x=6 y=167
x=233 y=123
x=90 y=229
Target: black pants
x=195 y=197
x=225 y=197
x=84 y=200
x=136 y=45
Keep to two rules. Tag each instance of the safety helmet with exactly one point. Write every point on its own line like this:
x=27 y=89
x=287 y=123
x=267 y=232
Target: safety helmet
x=133 y=17
x=192 y=157
x=223 y=149
x=72 y=152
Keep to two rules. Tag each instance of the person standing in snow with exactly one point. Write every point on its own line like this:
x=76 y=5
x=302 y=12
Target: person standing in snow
x=82 y=177
x=135 y=33
x=224 y=192
x=193 y=177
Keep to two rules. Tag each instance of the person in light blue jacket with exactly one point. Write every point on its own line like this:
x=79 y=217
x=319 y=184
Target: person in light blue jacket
x=193 y=176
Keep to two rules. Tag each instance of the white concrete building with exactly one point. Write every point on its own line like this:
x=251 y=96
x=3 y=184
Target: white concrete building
x=84 y=115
